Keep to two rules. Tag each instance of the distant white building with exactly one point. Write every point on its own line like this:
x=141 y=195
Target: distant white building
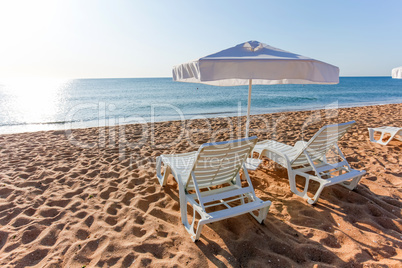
x=397 y=72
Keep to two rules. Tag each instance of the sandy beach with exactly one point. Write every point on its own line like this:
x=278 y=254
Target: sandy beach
x=92 y=198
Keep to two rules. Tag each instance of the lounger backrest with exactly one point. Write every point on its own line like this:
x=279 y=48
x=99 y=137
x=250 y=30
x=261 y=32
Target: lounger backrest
x=219 y=163
x=322 y=142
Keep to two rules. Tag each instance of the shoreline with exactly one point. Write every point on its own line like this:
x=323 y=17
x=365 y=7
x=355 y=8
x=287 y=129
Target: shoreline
x=194 y=117
x=93 y=198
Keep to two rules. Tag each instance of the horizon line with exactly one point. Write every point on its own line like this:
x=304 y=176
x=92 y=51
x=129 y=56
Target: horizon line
x=142 y=77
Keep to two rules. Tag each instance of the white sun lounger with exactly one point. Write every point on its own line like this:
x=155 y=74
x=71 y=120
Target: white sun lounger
x=309 y=160
x=392 y=131
x=197 y=174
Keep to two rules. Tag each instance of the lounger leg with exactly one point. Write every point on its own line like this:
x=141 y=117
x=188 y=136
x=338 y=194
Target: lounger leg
x=183 y=211
x=262 y=214
x=311 y=201
x=293 y=188
x=197 y=235
x=371 y=135
x=381 y=137
x=390 y=138
x=158 y=170
x=161 y=178
x=380 y=141
x=304 y=194
x=252 y=155
x=353 y=184
x=292 y=181
x=190 y=227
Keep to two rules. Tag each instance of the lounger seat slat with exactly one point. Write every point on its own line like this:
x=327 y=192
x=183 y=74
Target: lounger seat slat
x=344 y=177
x=235 y=211
x=216 y=163
x=213 y=162
x=209 y=183
x=226 y=176
x=224 y=195
x=220 y=156
x=215 y=191
x=223 y=152
x=325 y=140
x=331 y=166
x=209 y=173
x=317 y=153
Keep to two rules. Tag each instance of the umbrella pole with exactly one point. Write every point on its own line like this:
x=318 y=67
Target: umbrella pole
x=250 y=82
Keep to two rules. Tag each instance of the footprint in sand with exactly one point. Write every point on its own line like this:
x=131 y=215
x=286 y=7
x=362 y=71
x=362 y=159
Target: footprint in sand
x=30 y=234
x=49 y=213
x=93 y=173
x=330 y=241
x=111 y=220
x=138 y=231
x=5 y=192
x=165 y=216
x=32 y=258
x=29 y=211
x=156 y=249
x=388 y=224
x=21 y=221
x=82 y=234
x=128 y=260
x=3 y=239
x=12 y=247
x=71 y=194
x=127 y=198
x=106 y=194
x=50 y=238
x=10 y=215
x=58 y=203
x=319 y=255
x=112 y=261
x=89 y=220
x=81 y=214
x=139 y=219
x=113 y=208
x=134 y=182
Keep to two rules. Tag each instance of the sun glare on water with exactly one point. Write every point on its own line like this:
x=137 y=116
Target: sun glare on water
x=32 y=100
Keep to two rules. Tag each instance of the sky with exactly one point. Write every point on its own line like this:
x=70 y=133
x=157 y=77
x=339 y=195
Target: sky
x=128 y=38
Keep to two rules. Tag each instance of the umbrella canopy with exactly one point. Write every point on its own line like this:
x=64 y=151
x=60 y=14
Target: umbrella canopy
x=255 y=63
x=397 y=72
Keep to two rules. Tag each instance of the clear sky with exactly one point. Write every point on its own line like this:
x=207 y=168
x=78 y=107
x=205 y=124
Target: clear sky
x=99 y=38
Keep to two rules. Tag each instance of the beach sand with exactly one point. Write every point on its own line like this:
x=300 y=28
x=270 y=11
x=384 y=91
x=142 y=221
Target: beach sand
x=93 y=198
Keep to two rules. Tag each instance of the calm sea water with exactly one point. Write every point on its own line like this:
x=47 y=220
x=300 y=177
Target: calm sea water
x=37 y=104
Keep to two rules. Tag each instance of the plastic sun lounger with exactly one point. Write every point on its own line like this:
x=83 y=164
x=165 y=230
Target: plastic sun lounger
x=309 y=160
x=214 y=164
x=392 y=131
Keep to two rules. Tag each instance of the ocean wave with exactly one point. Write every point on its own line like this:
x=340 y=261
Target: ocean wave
x=42 y=123
x=212 y=113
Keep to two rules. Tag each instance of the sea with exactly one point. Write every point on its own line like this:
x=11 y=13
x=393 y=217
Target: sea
x=28 y=105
